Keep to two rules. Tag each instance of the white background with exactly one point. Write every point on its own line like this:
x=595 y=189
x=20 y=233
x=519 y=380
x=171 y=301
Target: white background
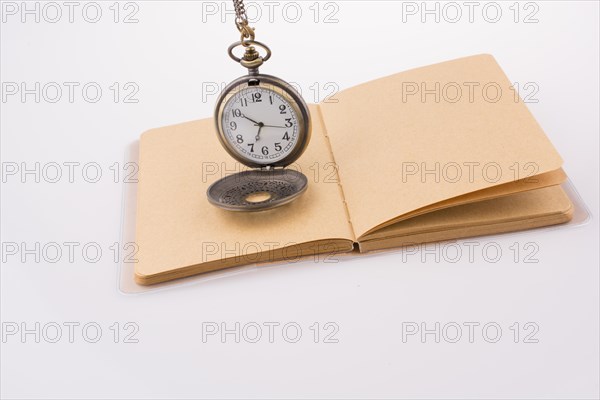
x=170 y=54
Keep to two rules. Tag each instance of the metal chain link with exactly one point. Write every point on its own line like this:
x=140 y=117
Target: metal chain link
x=240 y=12
x=241 y=21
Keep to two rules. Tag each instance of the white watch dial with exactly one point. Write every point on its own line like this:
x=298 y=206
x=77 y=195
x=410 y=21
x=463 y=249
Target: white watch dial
x=260 y=124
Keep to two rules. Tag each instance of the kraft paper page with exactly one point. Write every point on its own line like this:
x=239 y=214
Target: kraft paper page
x=534 y=208
x=177 y=228
x=545 y=180
x=378 y=133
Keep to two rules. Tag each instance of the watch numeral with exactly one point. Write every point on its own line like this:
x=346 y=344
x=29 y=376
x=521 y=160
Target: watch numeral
x=236 y=112
x=239 y=139
x=251 y=147
x=288 y=123
x=271 y=99
x=265 y=150
x=256 y=97
x=278 y=147
x=286 y=137
x=244 y=102
x=282 y=109
x=233 y=125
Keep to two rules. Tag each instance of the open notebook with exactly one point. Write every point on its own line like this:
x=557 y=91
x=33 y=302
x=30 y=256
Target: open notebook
x=435 y=153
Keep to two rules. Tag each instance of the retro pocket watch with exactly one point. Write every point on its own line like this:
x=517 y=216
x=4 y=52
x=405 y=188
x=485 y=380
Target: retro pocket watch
x=263 y=123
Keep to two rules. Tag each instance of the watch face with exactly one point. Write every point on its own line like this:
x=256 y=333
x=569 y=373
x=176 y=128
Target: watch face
x=261 y=125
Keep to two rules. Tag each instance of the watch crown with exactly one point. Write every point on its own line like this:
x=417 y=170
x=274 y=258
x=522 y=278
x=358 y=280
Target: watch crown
x=251 y=58
x=251 y=54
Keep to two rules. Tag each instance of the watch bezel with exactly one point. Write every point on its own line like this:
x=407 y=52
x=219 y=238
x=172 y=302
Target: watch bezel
x=282 y=88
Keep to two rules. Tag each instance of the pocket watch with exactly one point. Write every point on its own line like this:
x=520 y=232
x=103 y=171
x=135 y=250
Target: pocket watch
x=263 y=123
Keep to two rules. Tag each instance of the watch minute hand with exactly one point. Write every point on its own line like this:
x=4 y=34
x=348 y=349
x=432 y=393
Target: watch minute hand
x=274 y=126
x=250 y=119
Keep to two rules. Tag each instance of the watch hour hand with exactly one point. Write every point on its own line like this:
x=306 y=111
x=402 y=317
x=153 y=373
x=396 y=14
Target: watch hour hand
x=260 y=126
